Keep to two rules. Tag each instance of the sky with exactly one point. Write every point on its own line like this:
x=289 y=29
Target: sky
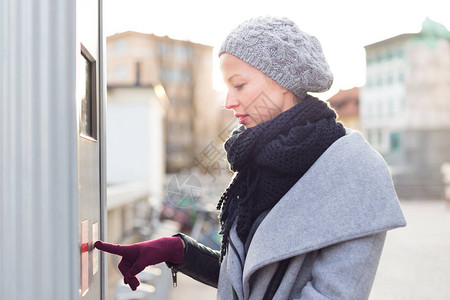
x=343 y=27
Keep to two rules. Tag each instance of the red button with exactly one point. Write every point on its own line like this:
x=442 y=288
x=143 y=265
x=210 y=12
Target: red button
x=84 y=247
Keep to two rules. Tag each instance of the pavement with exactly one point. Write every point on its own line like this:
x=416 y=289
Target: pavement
x=415 y=263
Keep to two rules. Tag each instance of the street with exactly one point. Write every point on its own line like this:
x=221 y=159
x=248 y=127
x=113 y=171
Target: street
x=415 y=263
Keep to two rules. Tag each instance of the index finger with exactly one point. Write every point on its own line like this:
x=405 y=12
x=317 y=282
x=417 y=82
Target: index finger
x=111 y=248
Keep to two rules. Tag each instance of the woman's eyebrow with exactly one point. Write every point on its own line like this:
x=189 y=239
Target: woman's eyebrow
x=231 y=77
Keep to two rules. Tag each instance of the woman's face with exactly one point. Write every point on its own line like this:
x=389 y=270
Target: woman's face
x=253 y=96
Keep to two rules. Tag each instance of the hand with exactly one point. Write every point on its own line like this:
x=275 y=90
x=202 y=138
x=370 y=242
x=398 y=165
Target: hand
x=136 y=257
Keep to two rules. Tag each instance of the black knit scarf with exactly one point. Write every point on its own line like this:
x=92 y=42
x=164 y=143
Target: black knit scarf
x=270 y=158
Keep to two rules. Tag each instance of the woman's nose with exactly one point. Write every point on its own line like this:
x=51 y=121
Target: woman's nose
x=231 y=101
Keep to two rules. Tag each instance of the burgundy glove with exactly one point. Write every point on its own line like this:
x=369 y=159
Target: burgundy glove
x=136 y=257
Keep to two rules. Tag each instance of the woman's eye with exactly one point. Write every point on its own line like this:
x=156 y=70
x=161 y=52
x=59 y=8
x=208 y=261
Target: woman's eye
x=239 y=86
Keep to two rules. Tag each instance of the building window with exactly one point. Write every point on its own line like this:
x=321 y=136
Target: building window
x=120 y=46
x=162 y=49
x=373 y=110
x=379 y=81
x=402 y=103
x=368 y=110
x=121 y=72
x=183 y=52
x=390 y=79
x=369 y=136
x=400 y=53
x=395 y=141
x=379 y=58
x=401 y=76
x=166 y=75
x=379 y=137
x=391 y=108
x=389 y=55
x=381 y=109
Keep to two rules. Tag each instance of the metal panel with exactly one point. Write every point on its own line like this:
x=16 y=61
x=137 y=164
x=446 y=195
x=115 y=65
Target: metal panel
x=102 y=141
x=89 y=169
x=38 y=159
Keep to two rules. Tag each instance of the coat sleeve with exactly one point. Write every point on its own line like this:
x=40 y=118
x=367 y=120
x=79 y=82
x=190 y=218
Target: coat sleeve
x=199 y=262
x=345 y=270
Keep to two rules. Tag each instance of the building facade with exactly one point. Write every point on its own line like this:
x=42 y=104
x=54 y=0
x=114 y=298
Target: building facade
x=185 y=71
x=405 y=106
x=135 y=145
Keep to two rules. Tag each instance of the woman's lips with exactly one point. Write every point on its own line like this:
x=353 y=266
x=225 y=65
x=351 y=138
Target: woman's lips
x=243 y=118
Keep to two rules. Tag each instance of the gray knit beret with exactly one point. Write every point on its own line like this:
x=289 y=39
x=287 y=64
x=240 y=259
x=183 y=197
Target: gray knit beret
x=278 y=48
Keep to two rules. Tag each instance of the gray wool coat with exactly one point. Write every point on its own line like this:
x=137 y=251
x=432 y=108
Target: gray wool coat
x=332 y=222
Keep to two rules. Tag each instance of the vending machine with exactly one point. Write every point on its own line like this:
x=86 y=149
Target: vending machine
x=90 y=142
x=52 y=150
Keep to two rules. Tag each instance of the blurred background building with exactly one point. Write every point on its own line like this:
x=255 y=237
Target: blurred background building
x=184 y=69
x=165 y=135
x=136 y=120
x=405 y=107
x=346 y=105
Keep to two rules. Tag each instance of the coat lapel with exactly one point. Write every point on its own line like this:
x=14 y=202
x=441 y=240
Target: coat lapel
x=235 y=256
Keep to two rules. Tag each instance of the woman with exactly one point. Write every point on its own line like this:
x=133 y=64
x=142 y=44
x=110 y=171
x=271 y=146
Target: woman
x=306 y=214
